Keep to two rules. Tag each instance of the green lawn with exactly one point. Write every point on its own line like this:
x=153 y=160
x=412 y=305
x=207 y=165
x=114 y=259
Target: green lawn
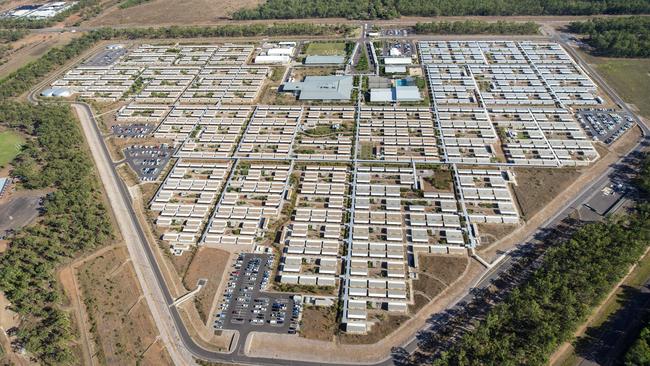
x=629 y=77
x=326 y=49
x=9 y=146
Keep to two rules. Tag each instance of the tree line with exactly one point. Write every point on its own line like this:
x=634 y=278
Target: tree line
x=477 y=27
x=616 y=37
x=639 y=353
x=11 y=35
x=73 y=221
x=387 y=9
x=543 y=312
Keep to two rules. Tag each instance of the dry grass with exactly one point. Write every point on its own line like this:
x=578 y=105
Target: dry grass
x=210 y=264
x=491 y=233
x=537 y=187
x=31 y=48
x=148 y=190
x=120 y=320
x=445 y=268
x=319 y=322
x=428 y=285
x=165 y=12
x=128 y=175
x=182 y=262
x=419 y=302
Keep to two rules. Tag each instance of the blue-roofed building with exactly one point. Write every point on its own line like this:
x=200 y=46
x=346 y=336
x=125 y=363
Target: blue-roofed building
x=334 y=88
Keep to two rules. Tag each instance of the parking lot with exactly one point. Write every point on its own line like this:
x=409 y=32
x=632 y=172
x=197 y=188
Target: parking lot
x=603 y=125
x=148 y=161
x=244 y=307
x=397 y=48
x=107 y=57
x=397 y=32
x=132 y=131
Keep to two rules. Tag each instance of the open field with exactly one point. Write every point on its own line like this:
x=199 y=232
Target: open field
x=445 y=268
x=630 y=78
x=491 y=233
x=124 y=329
x=9 y=146
x=537 y=187
x=167 y=12
x=31 y=48
x=326 y=49
x=319 y=322
x=210 y=264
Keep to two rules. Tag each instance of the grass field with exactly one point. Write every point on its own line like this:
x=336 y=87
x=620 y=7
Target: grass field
x=9 y=146
x=629 y=77
x=326 y=49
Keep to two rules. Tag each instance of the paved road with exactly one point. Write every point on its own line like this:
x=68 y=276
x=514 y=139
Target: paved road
x=173 y=332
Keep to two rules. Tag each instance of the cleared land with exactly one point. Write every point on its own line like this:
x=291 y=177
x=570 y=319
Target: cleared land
x=491 y=233
x=319 y=322
x=167 y=12
x=123 y=327
x=210 y=264
x=326 y=49
x=446 y=268
x=537 y=187
x=31 y=48
x=10 y=143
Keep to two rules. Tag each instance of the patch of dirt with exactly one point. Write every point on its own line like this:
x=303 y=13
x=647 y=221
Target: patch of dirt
x=536 y=187
x=208 y=263
x=156 y=354
x=419 y=302
x=445 y=268
x=627 y=141
x=491 y=233
x=120 y=319
x=428 y=285
x=182 y=262
x=318 y=322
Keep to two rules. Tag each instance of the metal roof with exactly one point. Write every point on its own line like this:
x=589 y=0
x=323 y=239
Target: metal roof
x=396 y=94
x=331 y=60
x=322 y=88
x=407 y=93
x=395 y=69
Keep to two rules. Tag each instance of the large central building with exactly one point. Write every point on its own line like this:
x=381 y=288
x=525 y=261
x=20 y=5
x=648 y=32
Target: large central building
x=334 y=88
